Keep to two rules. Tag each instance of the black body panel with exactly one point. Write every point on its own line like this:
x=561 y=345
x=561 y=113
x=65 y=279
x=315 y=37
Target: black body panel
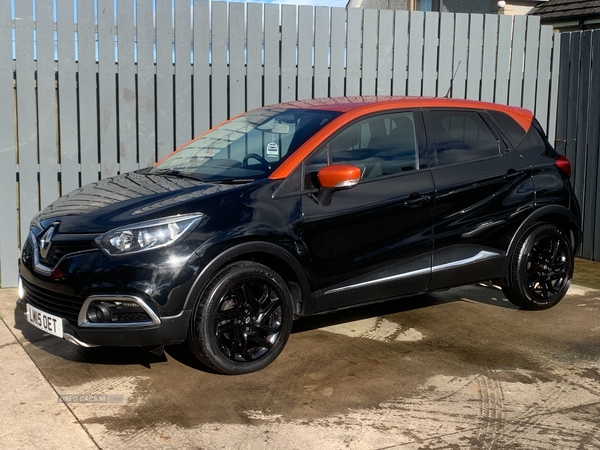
x=440 y=222
x=373 y=241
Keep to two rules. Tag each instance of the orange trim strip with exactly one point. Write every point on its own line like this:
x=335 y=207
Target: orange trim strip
x=522 y=116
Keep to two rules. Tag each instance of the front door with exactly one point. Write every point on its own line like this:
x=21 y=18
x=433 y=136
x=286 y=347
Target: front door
x=373 y=241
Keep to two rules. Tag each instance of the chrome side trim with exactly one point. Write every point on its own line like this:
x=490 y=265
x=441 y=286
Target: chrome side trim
x=379 y=280
x=73 y=340
x=483 y=227
x=483 y=254
x=478 y=257
x=82 y=318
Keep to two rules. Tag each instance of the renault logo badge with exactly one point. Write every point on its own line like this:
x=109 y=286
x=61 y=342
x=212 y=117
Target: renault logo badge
x=45 y=241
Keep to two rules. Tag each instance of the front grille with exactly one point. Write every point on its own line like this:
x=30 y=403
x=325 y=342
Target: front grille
x=61 y=305
x=59 y=249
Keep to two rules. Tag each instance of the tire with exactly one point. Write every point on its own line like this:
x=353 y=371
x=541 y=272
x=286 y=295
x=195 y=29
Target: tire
x=242 y=320
x=541 y=268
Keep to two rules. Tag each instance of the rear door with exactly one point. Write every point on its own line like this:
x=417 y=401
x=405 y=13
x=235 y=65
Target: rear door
x=372 y=241
x=483 y=187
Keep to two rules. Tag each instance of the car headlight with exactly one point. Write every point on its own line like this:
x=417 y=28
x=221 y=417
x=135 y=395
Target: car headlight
x=149 y=235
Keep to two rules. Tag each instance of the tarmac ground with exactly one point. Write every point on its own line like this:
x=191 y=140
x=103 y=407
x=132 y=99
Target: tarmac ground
x=461 y=369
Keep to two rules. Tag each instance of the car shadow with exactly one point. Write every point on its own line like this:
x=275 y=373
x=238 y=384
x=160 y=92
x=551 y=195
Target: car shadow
x=485 y=293
x=481 y=293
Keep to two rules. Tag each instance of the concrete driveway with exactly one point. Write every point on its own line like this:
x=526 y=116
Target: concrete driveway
x=459 y=369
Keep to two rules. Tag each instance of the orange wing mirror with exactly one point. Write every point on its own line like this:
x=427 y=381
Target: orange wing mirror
x=339 y=176
x=334 y=178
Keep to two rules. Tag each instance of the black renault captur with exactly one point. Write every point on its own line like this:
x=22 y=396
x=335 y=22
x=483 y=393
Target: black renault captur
x=302 y=208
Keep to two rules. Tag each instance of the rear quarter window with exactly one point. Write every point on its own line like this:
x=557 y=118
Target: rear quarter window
x=458 y=137
x=511 y=129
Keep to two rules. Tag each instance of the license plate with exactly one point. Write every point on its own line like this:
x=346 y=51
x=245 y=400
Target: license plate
x=44 y=321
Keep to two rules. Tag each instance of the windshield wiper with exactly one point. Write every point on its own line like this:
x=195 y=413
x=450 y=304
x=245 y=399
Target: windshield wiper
x=234 y=180
x=176 y=173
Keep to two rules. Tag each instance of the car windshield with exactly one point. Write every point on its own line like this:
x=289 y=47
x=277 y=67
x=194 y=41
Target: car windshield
x=247 y=148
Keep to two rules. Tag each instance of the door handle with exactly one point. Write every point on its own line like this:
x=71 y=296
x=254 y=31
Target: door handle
x=416 y=200
x=511 y=173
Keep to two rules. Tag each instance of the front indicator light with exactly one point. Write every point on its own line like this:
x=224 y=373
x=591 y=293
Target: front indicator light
x=21 y=291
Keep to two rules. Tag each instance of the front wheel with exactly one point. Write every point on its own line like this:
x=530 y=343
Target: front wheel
x=242 y=320
x=541 y=268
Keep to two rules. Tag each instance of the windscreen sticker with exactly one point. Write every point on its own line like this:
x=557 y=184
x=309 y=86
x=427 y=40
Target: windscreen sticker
x=273 y=150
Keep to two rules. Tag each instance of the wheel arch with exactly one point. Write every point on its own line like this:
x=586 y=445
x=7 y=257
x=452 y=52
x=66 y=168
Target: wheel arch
x=554 y=214
x=268 y=254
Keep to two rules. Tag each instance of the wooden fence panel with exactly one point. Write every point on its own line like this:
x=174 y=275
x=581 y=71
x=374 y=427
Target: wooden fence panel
x=503 y=59
x=237 y=59
x=305 y=52
x=183 y=73
x=338 y=52
x=517 y=56
x=542 y=99
x=475 y=57
x=146 y=73
x=135 y=82
x=107 y=88
x=322 y=51
x=289 y=48
x=26 y=123
x=446 y=51
x=126 y=129
x=592 y=204
x=9 y=222
x=531 y=68
x=415 y=54
x=369 y=52
x=67 y=98
x=554 y=87
x=430 y=54
x=272 y=75
x=46 y=103
x=165 y=139
x=572 y=103
x=488 y=63
x=87 y=69
x=385 y=41
x=254 y=65
x=353 y=51
x=578 y=127
x=459 y=64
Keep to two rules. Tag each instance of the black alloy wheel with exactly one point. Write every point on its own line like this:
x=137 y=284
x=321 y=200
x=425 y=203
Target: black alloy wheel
x=541 y=269
x=243 y=319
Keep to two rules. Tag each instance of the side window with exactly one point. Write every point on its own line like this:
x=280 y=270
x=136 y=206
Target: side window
x=460 y=136
x=380 y=145
x=513 y=131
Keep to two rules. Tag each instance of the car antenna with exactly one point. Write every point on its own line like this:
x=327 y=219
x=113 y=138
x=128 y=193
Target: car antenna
x=452 y=80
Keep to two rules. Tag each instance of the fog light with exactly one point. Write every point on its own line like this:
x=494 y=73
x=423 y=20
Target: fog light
x=98 y=313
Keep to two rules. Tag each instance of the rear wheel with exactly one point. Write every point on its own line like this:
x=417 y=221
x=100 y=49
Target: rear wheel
x=243 y=319
x=541 y=268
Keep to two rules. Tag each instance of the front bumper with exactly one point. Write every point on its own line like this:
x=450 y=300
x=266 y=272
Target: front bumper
x=168 y=330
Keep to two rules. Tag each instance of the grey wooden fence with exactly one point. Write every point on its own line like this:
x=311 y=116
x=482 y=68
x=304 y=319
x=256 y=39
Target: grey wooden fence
x=90 y=92
x=578 y=127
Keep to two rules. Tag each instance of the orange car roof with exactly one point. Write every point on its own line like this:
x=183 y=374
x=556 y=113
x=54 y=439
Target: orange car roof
x=355 y=107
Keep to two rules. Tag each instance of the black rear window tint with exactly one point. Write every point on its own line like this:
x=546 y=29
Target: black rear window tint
x=460 y=136
x=512 y=130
